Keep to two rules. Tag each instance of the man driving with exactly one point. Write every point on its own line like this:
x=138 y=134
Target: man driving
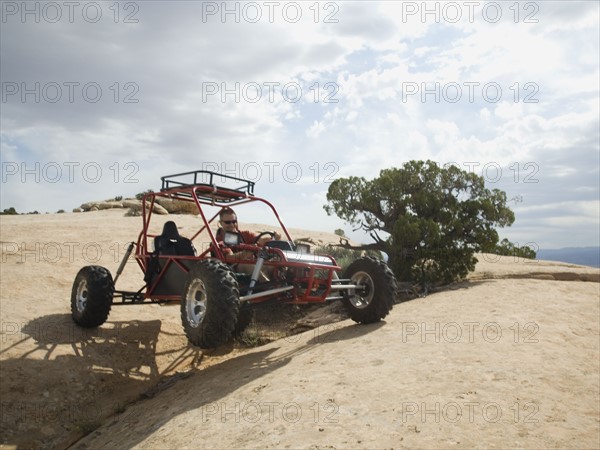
x=228 y=223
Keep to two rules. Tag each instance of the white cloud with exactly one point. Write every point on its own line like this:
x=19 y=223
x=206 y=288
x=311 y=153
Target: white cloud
x=356 y=112
x=315 y=130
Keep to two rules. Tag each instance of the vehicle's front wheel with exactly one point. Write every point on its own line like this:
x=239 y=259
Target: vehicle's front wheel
x=376 y=289
x=210 y=303
x=91 y=296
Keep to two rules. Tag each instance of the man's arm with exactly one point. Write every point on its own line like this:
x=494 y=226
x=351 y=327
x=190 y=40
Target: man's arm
x=250 y=237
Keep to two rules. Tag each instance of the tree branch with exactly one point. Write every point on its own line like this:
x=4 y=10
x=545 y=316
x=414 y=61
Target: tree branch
x=344 y=243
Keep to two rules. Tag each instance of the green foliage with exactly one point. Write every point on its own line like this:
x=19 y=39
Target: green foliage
x=340 y=232
x=141 y=195
x=118 y=198
x=60 y=211
x=507 y=248
x=252 y=337
x=345 y=256
x=429 y=220
x=9 y=212
x=133 y=212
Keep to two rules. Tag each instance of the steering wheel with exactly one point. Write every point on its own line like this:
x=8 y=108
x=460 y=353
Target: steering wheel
x=263 y=234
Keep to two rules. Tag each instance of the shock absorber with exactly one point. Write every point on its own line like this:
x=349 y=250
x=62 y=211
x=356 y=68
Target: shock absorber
x=262 y=256
x=124 y=261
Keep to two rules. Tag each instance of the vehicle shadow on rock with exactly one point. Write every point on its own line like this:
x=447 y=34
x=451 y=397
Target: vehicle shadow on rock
x=203 y=394
x=337 y=331
x=198 y=391
x=68 y=380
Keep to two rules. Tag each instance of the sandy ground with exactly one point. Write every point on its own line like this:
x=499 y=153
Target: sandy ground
x=508 y=359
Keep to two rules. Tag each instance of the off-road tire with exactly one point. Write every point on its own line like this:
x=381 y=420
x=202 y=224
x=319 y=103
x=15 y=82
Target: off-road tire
x=92 y=296
x=377 y=299
x=244 y=319
x=210 y=304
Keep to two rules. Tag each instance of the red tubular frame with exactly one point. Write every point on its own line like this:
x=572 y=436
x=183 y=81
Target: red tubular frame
x=223 y=197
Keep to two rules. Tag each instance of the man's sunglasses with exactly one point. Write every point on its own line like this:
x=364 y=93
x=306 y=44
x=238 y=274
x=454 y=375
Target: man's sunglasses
x=229 y=222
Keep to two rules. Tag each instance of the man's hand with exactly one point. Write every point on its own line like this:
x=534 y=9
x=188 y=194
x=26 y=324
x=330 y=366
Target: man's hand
x=263 y=240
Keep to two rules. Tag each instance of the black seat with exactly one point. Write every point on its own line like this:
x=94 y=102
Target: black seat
x=171 y=243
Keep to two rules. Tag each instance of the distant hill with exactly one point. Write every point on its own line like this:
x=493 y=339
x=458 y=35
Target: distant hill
x=586 y=256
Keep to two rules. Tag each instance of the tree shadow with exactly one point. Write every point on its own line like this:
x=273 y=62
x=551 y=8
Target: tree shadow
x=409 y=295
x=466 y=284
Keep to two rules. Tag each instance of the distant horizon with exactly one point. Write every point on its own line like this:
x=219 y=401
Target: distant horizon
x=352 y=235
x=586 y=256
x=591 y=256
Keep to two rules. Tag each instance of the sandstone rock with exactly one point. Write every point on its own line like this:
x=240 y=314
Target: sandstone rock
x=131 y=203
x=159 y=209
x=177 y=206
x=136 y=205
x=88 y=206
x=166 y=203
x=109 y=205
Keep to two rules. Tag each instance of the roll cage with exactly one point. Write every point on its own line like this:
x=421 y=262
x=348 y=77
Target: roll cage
x=200 y=187
x=313 y=275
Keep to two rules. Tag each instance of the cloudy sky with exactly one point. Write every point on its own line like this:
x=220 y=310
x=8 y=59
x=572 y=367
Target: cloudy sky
x=101 y=99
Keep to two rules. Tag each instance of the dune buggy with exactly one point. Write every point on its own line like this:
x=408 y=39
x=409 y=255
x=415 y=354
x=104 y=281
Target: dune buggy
x=214 y=296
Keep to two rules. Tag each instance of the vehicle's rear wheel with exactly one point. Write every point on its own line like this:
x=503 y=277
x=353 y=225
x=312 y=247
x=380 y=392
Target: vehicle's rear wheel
x=91 y=296
x=376 y=289
x=210 y=303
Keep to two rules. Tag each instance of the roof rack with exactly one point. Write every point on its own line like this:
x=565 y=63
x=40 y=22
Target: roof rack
x=208 y=189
